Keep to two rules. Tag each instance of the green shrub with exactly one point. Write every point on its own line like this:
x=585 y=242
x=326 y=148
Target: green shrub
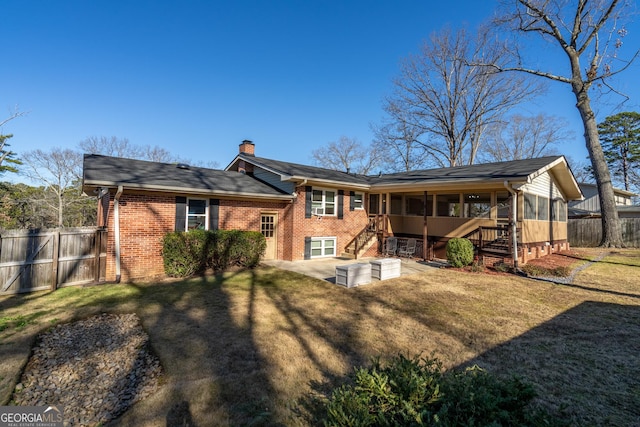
x=188 y=253
x=182 y=254
x=474 y=397
x=502 y=267
x=416 y=392
x=459 y=252
x=399 y=393
x=477 y=267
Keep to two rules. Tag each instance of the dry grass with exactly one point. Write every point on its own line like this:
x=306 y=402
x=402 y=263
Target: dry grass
x=247 y=347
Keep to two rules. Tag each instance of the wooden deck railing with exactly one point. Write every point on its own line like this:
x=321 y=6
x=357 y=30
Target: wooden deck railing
x=493 y=239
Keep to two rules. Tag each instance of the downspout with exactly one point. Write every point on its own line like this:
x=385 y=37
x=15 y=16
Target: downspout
x=116 y=220
x=514 y=225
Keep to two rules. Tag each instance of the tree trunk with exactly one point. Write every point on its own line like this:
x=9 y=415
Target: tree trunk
x=60 y=211
x=611 y=230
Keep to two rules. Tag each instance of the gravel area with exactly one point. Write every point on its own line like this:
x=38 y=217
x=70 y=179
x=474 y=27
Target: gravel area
x=94 y=368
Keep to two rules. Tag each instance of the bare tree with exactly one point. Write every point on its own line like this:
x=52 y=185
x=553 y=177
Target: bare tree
x=525 y=137
x=121 y=147
x=580 y=30
x=451 y=100
x=60 y=172
x=347 y=154
x=582 y=170
x=398 y=144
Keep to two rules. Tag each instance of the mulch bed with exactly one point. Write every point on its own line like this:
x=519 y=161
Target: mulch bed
x=558 y=259
x=562 y=259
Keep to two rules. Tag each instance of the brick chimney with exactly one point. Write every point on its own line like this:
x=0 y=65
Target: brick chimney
x=247 y=147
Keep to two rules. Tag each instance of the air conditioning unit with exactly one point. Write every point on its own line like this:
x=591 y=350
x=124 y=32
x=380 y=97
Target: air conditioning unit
x=317 y=211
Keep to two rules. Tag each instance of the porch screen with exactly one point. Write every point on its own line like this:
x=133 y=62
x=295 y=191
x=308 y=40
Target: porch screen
x=477 y=205
x=504 y=205
x=396 y=204
x=448 y=204
x=414 y=204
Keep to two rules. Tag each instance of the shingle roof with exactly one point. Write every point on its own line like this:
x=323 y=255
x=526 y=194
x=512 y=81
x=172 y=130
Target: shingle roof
x=304 y=171
x=113 y=171
x=512 y=170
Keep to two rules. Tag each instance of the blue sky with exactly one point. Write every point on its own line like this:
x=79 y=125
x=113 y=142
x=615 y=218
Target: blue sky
x=198 y=77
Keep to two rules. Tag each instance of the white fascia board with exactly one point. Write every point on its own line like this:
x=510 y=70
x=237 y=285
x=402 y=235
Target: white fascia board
x=165 y=189
x=232 y=163
x=327 y=183
x=563 y=176
x=455 y=184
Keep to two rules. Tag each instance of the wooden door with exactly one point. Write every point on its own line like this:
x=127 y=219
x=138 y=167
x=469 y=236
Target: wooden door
x=269 y=229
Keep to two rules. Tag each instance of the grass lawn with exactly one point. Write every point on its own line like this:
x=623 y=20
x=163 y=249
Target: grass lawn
x=246 y=347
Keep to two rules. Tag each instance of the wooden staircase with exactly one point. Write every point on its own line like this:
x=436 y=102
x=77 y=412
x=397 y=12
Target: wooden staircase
x=363 y=240
x=492 y=240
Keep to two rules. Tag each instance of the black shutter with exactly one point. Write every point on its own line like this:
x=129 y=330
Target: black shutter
x=307 y=248
x=181 y=213
x=340 y=204
x=352 y=200
x=307 y=200
x=214 y=214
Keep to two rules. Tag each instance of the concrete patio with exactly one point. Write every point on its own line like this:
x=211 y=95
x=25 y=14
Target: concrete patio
x=325 y=268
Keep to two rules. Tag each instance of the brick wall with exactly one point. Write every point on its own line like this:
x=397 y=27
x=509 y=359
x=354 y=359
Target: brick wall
x=144 y=220
x=343 y=229
x=146 y=217
x=536 y=250
x=245 y=215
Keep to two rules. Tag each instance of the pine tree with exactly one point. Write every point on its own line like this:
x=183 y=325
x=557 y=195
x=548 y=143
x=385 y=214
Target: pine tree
x=620 y=138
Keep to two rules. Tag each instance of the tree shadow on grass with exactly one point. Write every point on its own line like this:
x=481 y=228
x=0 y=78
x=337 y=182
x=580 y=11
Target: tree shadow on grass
x=605 y=258
x=584 y=363
x=202 y=330
x=203 y=334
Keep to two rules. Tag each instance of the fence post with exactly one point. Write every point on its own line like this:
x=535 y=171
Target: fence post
x=98 y=245
x=55 y=238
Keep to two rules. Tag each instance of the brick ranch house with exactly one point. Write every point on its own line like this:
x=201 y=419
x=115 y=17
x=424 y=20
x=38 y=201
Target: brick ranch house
x=512 y=211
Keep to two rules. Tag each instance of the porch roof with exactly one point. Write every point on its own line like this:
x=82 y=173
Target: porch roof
x=516 y=172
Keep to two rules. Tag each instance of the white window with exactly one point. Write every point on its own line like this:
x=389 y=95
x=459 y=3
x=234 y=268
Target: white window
x=358 y=200
x=536 y=207
x=196 y=214
x=323 y=247
x=559 y=210
x=323 y=202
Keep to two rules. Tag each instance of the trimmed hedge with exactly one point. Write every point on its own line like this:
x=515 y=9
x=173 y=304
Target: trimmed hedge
x=193 y=252
x=459 y=252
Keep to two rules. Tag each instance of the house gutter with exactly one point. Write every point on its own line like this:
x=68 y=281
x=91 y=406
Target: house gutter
x=514 y=224
x=116 y=220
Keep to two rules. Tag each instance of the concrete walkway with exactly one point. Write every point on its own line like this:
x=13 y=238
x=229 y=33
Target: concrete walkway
x=325 y=268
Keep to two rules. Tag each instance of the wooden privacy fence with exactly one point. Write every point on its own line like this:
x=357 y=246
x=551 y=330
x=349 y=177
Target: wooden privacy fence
x=33 y=260
x=587 y=232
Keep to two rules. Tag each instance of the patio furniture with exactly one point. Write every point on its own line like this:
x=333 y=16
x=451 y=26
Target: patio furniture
x=409 y=249
x=391 y=246
x=351 y=275
x=385 y=268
